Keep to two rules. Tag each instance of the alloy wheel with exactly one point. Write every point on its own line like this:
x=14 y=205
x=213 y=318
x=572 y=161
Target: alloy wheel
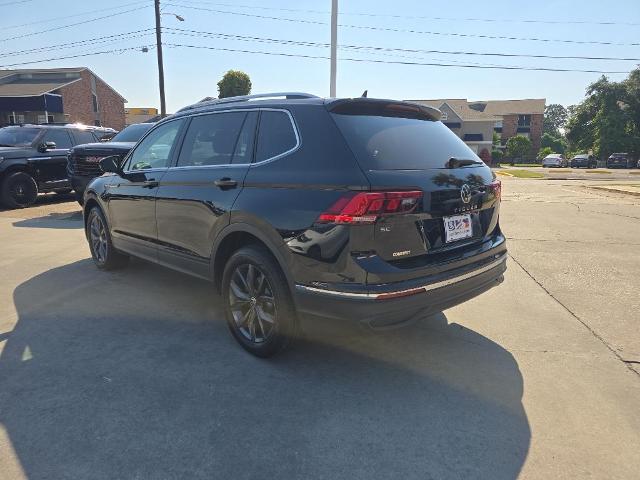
x=98 y=235
x=252 y=303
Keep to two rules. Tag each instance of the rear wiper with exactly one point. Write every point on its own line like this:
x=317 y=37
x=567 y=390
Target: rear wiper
x=454 y=162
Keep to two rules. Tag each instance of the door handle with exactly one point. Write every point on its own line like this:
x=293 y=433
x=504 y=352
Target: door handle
x=225 y=182
x=150 y=184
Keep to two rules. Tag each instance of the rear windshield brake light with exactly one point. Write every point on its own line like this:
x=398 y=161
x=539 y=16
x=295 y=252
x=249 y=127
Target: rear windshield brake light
x=367 y=207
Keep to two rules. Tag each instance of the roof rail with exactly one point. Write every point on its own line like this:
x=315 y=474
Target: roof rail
x=246 y=98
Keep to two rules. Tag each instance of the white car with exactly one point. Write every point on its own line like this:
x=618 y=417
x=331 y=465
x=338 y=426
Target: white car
x=554 y=160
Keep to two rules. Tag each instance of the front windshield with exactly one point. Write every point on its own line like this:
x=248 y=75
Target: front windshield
x=132 y=133
x=18 y=136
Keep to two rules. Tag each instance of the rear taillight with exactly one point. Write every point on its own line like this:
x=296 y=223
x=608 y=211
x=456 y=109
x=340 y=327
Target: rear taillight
x=367 y=207
x=496 y=188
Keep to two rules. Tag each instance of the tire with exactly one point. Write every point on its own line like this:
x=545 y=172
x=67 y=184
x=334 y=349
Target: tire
x=18 y=190
x=254 y=290
x=104 y=255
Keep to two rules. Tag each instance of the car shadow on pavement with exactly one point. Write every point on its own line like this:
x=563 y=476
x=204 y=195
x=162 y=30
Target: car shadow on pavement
x=133 y=374
x=71 y=220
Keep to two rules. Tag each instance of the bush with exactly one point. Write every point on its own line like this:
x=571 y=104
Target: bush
x=234 y=83
x=518 y=146
x=496 y=155
x=544 y=152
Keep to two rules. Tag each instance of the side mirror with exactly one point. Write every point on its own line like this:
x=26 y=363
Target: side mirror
x=43 y=147
x=110 y=164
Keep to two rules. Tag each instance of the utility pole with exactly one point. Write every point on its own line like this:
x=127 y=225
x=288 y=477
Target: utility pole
x=163 y=106
x=334 y=42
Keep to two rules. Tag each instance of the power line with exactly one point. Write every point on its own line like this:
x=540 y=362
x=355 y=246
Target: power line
x=82 y=43
x=421 y=17
x=6 y=4
x=73 y=24
x=79 y=55
x=492 y=67
x=65 y=17
x=406 y=30
x=197 y=33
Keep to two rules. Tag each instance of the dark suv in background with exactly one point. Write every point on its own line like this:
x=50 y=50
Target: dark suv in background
x=33 y=158
x=83 y=160
x=358 y=209
x=620 y=160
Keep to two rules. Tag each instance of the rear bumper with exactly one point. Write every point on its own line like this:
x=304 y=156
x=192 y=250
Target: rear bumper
x=434 y=294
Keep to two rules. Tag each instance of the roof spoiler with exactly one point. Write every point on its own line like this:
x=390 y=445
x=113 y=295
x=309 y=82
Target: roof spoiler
x=364 y=105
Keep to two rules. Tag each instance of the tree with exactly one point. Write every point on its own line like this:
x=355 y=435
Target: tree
x=233 y=84
x=555 y=118
x=556 y=144
x=607 y=120
x=518 y=146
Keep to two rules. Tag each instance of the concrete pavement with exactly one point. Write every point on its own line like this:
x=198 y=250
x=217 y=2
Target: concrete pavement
x=132 y=374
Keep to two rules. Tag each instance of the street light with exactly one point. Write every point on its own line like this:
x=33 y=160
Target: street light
x=163 y=105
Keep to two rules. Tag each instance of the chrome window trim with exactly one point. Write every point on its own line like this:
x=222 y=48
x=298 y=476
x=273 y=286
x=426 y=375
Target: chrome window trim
x=250 y=165
x=428 y=287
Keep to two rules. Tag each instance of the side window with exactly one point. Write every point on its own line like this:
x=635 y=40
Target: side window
x=275 y=135
x=83 y=136
x=211 y=139
x=59 y=136
x=244 y=146
x=155 y=150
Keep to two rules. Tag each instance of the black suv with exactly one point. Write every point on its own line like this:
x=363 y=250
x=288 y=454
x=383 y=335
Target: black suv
x=82 y=160
x=620 y=160
x=33 y=158
x=361 y=209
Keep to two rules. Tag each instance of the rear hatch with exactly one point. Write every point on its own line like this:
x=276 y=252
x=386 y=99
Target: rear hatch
x=402 y=147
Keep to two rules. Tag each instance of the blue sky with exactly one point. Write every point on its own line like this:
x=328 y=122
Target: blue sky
x=192 y=73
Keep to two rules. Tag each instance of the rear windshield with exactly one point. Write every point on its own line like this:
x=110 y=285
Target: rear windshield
x=397 y=143
x=132 y=133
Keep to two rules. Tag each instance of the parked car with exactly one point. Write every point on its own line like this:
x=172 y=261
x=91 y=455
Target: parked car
x=620 y=160
x=83 y=160
x=33 y=159
x=584 y=160
x=401 y=217
x=554 y=160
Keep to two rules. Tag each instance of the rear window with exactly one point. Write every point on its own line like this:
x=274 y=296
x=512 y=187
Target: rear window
x=132 y=133
x=397 y=143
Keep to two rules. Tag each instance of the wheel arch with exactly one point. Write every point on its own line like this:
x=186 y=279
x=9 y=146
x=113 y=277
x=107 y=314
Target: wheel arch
x=236 y=236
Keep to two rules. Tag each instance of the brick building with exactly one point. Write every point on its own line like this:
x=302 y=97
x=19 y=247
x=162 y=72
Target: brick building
x=69 y=95
x=475 y=122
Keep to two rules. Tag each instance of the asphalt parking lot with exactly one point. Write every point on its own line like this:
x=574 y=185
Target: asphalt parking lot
x=132 y=374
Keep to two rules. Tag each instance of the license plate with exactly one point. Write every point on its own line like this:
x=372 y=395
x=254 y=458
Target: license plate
x=457 y=227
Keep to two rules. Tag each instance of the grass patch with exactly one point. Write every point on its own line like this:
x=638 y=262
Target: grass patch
x=521 y=165
x=521 y=173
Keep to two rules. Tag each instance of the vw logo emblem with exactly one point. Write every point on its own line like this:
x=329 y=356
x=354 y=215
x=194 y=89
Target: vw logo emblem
x=465 y=193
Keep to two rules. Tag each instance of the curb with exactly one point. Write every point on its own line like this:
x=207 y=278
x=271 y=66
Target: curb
x=615 y=190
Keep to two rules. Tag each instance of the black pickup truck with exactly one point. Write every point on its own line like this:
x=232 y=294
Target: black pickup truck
x=83 y=160
x=33 y=159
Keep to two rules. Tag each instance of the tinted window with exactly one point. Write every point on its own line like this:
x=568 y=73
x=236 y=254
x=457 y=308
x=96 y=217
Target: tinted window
x=59 y=136
x=18 y=136
x=132 y=133
x=244 y=146
x=397 y=143
x=83 y=136
x=155 y=150
x=275 y=135
x=211 y=139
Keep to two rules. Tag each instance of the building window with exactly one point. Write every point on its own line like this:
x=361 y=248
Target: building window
x=524 y=120
x=12 y=120
x=473 y=137
x=50 y=119
x=94 y=99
